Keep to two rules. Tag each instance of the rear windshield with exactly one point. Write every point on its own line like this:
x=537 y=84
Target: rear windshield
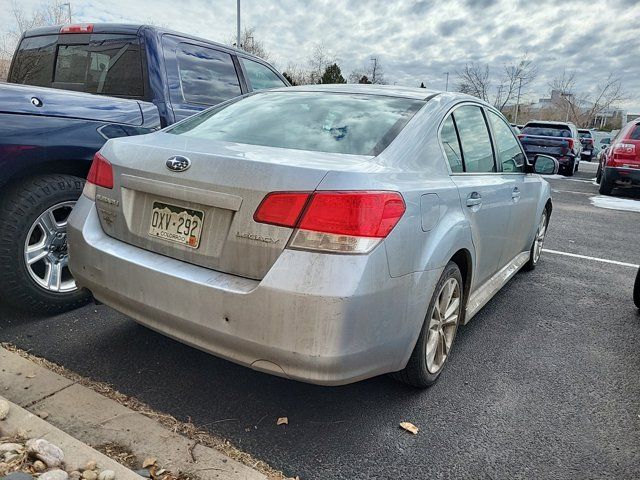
x=107 y=64
x=317 y=121
x=635 y=133
x=547 y=130
x=584 y=134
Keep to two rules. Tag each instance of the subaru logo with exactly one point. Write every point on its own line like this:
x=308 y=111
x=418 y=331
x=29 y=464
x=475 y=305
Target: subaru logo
x=178 y=163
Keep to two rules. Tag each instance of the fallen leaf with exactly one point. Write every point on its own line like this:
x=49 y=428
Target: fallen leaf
x=282 y=421
x=409 y=427
x=149 y=462
x=161 y=471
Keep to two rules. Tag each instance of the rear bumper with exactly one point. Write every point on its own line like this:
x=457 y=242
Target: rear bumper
x=623 y=175
x=325 y=319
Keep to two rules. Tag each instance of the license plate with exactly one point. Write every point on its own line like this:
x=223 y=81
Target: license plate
x=587 y=152
x=176 y=224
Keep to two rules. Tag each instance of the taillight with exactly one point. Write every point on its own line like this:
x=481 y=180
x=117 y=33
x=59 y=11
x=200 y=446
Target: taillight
x=100 y=174
x=570 y=143
x=624 y=149
x=81 y=28
x=342 y=222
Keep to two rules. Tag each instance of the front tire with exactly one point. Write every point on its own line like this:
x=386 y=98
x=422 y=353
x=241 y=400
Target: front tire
x=34 y=272
x=538 y=241
x=438 y=332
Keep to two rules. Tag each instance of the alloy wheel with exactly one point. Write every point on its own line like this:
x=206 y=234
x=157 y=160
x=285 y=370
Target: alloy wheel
x=443 y=325
x=45 y=251
x=539 y=240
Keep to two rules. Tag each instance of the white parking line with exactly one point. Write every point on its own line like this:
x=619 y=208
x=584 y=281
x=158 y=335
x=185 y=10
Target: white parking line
x=595 y=259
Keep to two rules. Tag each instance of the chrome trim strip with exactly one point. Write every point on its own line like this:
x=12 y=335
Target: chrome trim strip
x=485 y=292
x=180 y=192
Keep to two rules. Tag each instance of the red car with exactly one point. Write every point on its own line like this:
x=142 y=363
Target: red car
x=620 y=164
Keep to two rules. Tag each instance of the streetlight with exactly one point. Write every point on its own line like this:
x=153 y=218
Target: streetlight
x=565 y=95
x=238 y=25
x=68 y=5
x=446 y=88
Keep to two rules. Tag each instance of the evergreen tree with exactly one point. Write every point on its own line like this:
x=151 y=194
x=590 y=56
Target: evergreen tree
x=289 y=79
x=332 y=74
x=364 y=79
x=422 y=85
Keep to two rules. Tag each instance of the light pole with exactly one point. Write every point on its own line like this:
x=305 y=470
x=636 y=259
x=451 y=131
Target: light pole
x=565 y=95
x=238 y=25
x=68 y=5
x=515 y=120
x=446 y=88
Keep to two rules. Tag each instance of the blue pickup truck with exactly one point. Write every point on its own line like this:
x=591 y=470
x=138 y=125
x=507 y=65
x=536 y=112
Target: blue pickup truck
x=71 y=88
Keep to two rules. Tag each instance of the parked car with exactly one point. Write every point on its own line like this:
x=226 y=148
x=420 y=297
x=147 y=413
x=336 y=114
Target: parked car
x=72 y=89
x=620 y=164
x=588 y=144
x=558 y=139
x=324 y=233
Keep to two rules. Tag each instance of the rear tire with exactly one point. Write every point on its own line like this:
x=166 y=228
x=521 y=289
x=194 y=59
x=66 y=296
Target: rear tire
x=434 y=344
x=570 y=169
x=26 y=209
x=599 y=174
x=606 y=185
x=636 y=290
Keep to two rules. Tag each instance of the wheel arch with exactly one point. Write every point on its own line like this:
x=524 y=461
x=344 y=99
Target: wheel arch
x=462 y=258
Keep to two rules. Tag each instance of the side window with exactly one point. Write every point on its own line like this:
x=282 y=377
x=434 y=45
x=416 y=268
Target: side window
x=33 y=61
x=449 y=139
x=474 y=139
x=508 y=149
x=260 y=76
x=207 y=76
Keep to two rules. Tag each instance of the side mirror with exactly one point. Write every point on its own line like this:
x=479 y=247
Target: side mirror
x=545 y=165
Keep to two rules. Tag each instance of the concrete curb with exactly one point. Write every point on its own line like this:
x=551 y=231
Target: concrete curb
x=92 y=418
x=76 y=453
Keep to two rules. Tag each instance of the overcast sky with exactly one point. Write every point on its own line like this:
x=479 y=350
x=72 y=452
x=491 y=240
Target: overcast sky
x=416 y=41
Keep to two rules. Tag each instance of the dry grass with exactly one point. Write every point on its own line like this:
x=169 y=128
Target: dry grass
x=119 y=453
x=188 y=429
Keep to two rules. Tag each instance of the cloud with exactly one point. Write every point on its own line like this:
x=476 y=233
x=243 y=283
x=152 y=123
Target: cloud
x=416 y=41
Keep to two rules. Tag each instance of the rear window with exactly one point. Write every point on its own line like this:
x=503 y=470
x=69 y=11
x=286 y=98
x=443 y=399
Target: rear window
x=547 y=130
x=635 y=133
x=107 y=64
x=584 y=134
x=317 y=121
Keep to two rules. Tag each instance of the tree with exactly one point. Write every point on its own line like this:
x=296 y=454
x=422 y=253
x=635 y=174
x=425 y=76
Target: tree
x=289 y=78
x=332 y=74
x=422 y=85
x=320 y=59
x=364 y=79
x=249 y=44
x=372 y=73
x=52 y=13
x=475 y=79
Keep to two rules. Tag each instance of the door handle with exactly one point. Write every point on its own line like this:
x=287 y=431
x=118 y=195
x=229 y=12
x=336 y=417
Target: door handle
x=474 y=200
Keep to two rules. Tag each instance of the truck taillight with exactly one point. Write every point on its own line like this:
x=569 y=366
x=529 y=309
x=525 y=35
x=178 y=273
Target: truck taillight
x=80 y=28
x=100 y=175
x=334 y=221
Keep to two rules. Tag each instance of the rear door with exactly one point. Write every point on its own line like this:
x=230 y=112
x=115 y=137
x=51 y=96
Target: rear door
x=199 y=75
x=524 y=188
x=484 y=193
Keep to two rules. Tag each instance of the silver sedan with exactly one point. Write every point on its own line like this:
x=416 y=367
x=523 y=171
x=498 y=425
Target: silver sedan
x=321 y=233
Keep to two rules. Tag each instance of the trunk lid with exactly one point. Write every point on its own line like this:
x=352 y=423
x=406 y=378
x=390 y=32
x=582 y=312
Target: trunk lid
x=554 y=146
x=224 y=184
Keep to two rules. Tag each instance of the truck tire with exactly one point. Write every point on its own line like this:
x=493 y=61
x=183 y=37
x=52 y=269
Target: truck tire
x=606 y=185
x=421 y=371
x=33 y=246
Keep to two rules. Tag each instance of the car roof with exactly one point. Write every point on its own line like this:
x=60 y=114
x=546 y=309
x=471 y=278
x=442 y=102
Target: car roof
x=367 y=89
x=132 y=29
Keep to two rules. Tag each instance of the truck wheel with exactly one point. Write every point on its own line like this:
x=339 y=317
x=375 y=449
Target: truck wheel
x=606 y=185
x=433 y=347
x=34 y=273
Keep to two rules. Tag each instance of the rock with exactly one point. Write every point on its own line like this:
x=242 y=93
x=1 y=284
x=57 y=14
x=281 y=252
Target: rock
x=10 y=456
x=89 y=475
x=55 y=474
x=11 y=447
x=107 y=475
x=91 y=465
x=43 y=414
x=39 y=466
x=4 y=409
x=149 y=462
x=46 y=451
x=75 y=475
x=143 y=472
x=17 y=476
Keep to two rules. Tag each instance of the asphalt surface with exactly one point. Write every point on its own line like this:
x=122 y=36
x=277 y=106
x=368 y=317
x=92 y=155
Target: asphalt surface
x=544 y=383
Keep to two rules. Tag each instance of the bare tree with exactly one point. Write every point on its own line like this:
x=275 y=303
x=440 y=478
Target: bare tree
x=320 y=59
x=52 y=13
x=475 y=79
x=373 y=73
x=250 y=44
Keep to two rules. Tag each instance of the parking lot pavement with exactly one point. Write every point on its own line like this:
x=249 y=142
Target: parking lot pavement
x=543 y=383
